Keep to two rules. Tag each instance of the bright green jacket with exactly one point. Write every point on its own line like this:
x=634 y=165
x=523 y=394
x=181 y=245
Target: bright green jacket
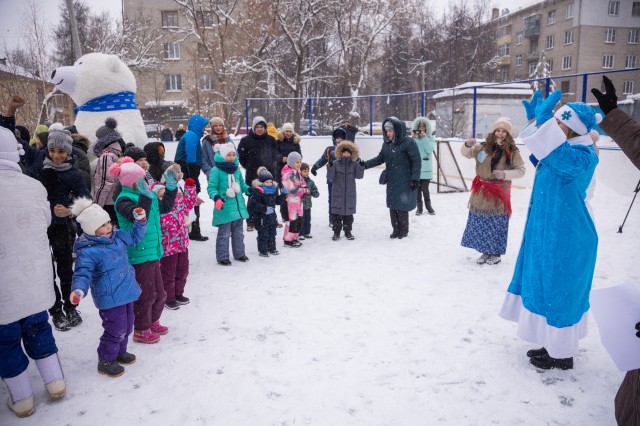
x=234 y=208
x=150 y=248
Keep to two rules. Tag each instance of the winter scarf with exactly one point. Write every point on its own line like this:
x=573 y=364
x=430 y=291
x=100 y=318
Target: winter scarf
x=497 y=189
x=49 y=164
x=495 y=159
x=269 y=190
x=227 y=167
x=110 y=102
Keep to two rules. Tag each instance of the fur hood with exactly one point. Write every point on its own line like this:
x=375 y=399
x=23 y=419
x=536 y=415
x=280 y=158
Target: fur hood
x=256 y=183
x=80 y=141
x=426 y=122
x=296 y=137
x=355 y=152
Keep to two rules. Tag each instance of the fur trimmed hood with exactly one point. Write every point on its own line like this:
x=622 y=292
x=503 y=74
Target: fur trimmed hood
x=296 y=137
x=79 y=139
x=347 y=145
x=426 y=122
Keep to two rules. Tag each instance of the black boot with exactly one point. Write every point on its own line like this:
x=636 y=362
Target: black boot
x=73 y=316
x=126 y=358
x=430 y=209
x=110 y=368
x=195 y=234
x=403 y=224
x=336 y=234
x=394 y=224
x=348 y=234
x=60 y=321
x=536 y=352
x=546 y=362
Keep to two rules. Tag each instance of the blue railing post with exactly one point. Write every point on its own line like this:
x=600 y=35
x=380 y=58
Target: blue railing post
x=584 y=87
x=422 y=96
x=246 y=114
x=370 y=115
x=475 y=102
x=547 y=86
x=310 y=115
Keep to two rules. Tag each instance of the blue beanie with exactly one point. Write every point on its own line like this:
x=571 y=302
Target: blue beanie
x=578 y=116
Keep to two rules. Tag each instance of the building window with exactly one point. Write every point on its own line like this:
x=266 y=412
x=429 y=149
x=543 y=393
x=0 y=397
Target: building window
x=568 y=37
x=614 y=7
x=173 y=82
x=633 y=37
x=565 y=86
x=171 y=50
x=627 y=87
x=518 y=60
x=566 y=62
x=635 y=8
x=630 y=61
x=205 y=81
x=551 y=18
x=520 y=38
x=569 y=12
x=532 y=68
x=205 y=19
x=607 y=61
x=505 y=74
x=504 y=50
x=550 y=65
x=610 y=35
x=169 y=18
x=550 y=42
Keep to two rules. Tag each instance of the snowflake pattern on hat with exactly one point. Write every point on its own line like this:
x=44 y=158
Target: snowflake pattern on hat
x=566 y=115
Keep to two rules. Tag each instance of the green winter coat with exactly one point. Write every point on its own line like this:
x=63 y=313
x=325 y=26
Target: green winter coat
x=150 y=248
x=402 y=161
x=234 y=208
x=313 y=193
x=425 y=146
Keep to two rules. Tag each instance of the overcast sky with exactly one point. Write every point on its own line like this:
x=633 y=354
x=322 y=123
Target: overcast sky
x=11 y=27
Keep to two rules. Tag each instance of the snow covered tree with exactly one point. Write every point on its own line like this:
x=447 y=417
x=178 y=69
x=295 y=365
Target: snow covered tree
x=542 y=71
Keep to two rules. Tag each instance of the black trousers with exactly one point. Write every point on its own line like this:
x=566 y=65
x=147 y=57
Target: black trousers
x=423 y=190
x=399 y=221
x=61 y=239
x=266 y=226
x=340 y=222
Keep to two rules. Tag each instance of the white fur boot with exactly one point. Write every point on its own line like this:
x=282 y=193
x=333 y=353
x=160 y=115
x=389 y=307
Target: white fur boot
x=51 y=373
x=20 y=395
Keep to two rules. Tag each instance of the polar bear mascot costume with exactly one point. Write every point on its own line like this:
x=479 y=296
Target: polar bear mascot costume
x=102 y=86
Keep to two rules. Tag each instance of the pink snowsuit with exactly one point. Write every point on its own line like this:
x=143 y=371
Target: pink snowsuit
x=296 y=187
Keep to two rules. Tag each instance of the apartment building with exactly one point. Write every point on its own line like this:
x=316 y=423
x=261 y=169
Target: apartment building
x=573 y=36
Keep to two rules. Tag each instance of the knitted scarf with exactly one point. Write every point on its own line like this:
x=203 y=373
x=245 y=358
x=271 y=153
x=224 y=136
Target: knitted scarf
x=49 y=164
x=227 y=167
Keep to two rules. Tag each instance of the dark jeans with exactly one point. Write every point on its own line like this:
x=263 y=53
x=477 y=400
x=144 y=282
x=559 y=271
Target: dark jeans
x=306 y=222
x=175 y=269
x=61 y=238
x=399 y=221
x=150 y=304
x=341 y=222
x=423 y=190
x=117 y=323
x=267 y=230
x=34 y=332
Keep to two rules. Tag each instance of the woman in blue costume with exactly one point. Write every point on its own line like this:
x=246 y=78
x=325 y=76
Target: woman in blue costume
x=549 y=293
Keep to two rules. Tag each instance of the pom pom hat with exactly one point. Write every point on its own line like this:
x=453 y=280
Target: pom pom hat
x=106 y=135
x=504 y=123
x=264 y=174
x=10 y=149
x=90 y=215
x=224 y=149
x=127 y=172
x=60 y=139
x=578 y=116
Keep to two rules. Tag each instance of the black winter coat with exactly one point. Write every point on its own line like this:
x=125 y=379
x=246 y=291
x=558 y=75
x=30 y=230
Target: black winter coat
x=255 y=151
x=155 y=157
x=258 y=203
x=63 y=188
x=401 y=157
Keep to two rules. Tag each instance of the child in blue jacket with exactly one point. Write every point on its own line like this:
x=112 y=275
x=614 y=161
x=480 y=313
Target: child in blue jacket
x=102 y=264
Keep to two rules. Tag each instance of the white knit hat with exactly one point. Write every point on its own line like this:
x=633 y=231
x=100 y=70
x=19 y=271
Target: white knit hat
x=224 y=149
x=287 y=126
x=504 y=123
x=10 y=149
x=90 y=215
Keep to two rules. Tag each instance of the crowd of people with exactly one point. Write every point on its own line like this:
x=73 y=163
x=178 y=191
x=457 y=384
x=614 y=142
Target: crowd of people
x=119 y=227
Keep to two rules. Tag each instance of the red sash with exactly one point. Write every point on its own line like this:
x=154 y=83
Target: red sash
x=497 y=189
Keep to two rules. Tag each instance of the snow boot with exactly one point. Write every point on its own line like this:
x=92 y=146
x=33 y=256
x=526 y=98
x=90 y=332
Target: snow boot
x=52 y=376
x=263 y=254
x=336 y=234
x=274 y=252
x=493 y=259
x=171 y=304
x=145 y=336
x=243 y=258
x=182 y=300
x=536 y=352
x=349 y=235
x=429 y=208
x=482 y=259
x=225 y=262
x=293 y=244
x=195 y=234
x=419 y=212
x=20 y=395
x=546 y=362
x=110 y=368
x=394 y=234
x=60 y=321
x=159 y=329
x=73 y=316
x=126 y=358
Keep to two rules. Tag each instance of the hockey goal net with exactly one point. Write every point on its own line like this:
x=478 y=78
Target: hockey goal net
x=449 y=177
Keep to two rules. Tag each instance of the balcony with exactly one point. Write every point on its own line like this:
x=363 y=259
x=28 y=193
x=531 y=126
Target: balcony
x=532 y=25
x=532 y=32
x=532 y=56
x=505 y=60
x=505 y=39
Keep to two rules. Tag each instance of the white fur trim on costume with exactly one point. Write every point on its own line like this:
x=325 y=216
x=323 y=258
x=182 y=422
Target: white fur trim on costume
x=573 y=121
x=548 y=137
x=581 y=140
x=559 y=342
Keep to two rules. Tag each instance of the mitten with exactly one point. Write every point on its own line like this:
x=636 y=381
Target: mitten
x=638 y=328
x=76 y=296
x=608 y=101
x=143 y=188
x=171 y=180
x=270 y=210
x=414 y=184
x=219 y=204
x=530 y=107
x=139 y=214
x=189 y=182
x=314 y=171
x=544 y=110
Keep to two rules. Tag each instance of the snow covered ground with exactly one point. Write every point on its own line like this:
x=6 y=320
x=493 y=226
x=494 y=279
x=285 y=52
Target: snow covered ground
x=366 y=332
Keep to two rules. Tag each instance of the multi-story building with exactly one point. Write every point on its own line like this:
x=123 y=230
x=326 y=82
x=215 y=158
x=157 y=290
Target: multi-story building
x=573 y=37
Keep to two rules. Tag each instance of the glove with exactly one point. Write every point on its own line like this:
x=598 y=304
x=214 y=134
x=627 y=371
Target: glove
x=139 y=214
x=361 y=162
x=270 y=210
x=607 y=101
x=314 y=171
x=171 y=180
x=305 y=191
x=76 y=296
x=189 y=182
x=219 y=204
x=544 y=110
x=638 y=328
x=414 y=184
x=530 y=107
x=143 y=188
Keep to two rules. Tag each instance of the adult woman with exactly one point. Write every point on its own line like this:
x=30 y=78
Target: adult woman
x=421 y=128
x=218 y=135
x=401 y=157
x=498 y=161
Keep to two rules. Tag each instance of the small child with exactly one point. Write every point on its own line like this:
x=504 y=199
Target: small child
x=306 y=201
x=175 y=240
x=226 y=187
x=296 y=188
x=262 y=208
x=103 y=266
x=342 y=174
x=145 y=256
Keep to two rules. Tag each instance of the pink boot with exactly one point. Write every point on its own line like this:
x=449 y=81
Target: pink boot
x=157 y=328
x=145 y=336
